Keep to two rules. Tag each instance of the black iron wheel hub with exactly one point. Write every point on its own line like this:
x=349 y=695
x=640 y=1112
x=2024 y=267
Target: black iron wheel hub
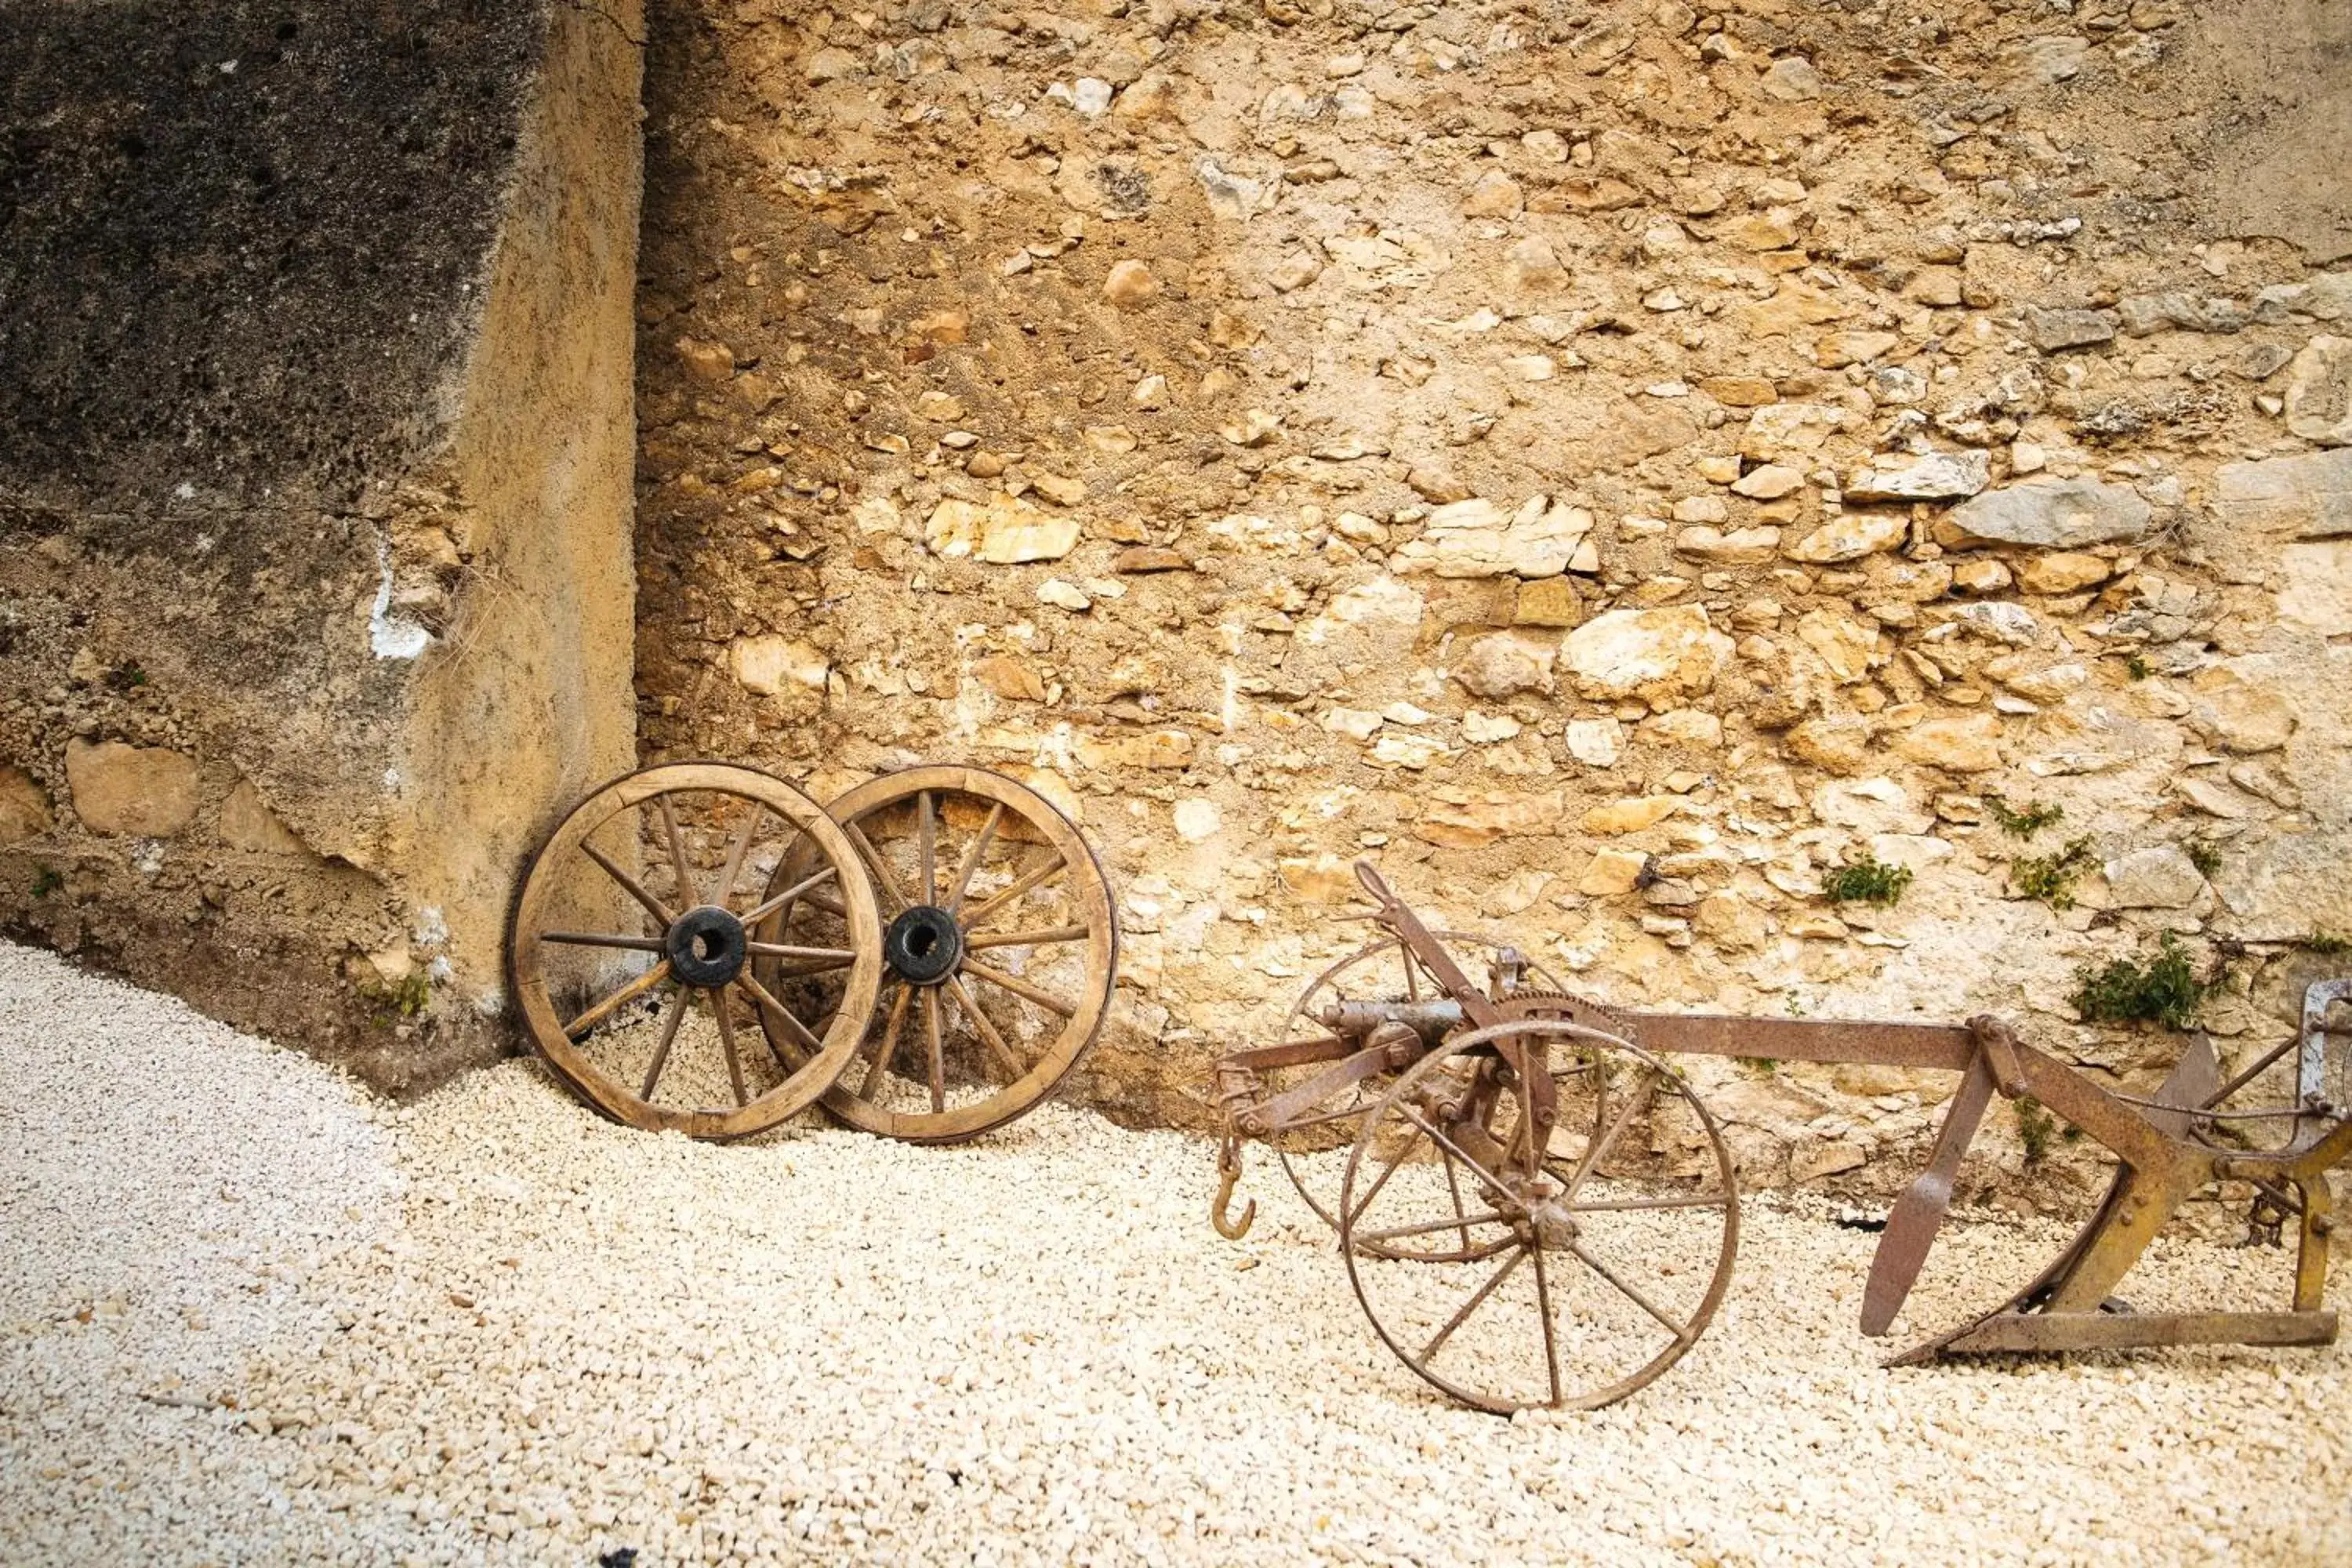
x=706 y=947
x=923 y=945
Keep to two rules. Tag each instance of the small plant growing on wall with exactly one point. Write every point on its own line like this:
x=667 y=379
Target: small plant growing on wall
x=2025 y=822
x=1868 y=881
x=2035 y=1128
x=2326 y=944
x=2050 y=878
x=2163 y=990
x=2206 y=856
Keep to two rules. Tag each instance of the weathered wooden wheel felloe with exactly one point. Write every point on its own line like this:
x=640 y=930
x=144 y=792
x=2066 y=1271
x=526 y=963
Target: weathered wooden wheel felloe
x=1000 y=949
x=700 y=947
x=615 y=953
x=1539 y=1210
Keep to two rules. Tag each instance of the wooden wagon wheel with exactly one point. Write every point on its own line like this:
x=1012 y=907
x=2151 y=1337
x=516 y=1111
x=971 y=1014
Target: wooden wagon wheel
x=1512 y=1271
x=1000 y=952
x=634 y=939
x=1384 y=971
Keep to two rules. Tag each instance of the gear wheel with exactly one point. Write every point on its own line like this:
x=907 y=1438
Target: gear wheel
x=1533 y=1002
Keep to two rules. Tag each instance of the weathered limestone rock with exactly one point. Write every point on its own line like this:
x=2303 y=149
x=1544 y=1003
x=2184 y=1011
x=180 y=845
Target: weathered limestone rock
x=2319 y=391
x=1154 y=749
x=246 y=823
x=150 y=790
x=1548 y=602
x=24 y=807
x=1934 y=476
x=1611 y=872
x=2062 y=571
x=1325 y=879
x=2317 y=590
x=1847 y=646
x=1197 y=820
x=1849 y=536
x=2054 y=514
x=2309 y=496
x=1471 y=822
x=1594 y=742
x=1838 y=743
x=2160 y=876
x=1129 y=285
x=1505 y=664
x=2053 y=330
x=1731 y=922
x=768 y=665
x=2238 y=715
x=1664 y=655
x=331 y=491
x=1971 y=744
x=1473 y=538
x=1631 y=815
x=1012 y=678
x=1007 y=531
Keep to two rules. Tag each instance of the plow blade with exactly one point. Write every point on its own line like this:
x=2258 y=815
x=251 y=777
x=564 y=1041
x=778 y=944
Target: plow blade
x=2135 y=1331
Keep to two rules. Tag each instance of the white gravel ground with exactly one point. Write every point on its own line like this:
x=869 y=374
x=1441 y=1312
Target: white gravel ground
x=251 y=1317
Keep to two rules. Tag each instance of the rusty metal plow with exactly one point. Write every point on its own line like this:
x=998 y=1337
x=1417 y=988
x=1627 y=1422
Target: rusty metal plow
x=1536 y=1209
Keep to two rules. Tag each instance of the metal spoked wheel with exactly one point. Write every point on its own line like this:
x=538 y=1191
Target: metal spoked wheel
x=1000 y=953
x=1514 y=1268
x=632 y=946
x=1313 y=1150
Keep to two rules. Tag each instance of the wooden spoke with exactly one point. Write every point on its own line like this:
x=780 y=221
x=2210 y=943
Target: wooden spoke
x=735 y=853
x=668 y=1036
x=782 y=1014
x=727 y=1043
x=803 y=971
x=986 y=1028
x=1462 y=1315
x=1040 y=938
x=884 y=882
x=927 y=844
x=971 y=856
x=938 y=1054
x=1019 y=987
x=922 y=837
x=1411 y=974
x=798 y=889
x=887 y=1046
x=1679 y=1329
x=827 y=902
x=708 y=841
x=686 y=894
x=1050 y=870
x=634 y=888
x=602 y=1010
x=1543 y=1310
x=832 y=957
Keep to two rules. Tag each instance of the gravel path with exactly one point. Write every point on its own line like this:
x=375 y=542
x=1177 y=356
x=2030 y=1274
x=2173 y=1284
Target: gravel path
x=249 y=1317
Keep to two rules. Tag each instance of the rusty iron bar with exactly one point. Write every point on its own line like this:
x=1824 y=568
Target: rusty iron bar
x=2161 y=1144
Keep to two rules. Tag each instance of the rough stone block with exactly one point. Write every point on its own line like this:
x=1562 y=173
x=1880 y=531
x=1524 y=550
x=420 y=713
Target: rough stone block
x=316 y=457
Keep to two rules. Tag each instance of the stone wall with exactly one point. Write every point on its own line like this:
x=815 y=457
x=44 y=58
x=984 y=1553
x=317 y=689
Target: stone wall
x=315 y=601
x=1612 y=464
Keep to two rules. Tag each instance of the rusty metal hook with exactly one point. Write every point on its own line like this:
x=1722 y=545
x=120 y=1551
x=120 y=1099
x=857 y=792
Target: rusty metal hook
x=1229 y=1171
